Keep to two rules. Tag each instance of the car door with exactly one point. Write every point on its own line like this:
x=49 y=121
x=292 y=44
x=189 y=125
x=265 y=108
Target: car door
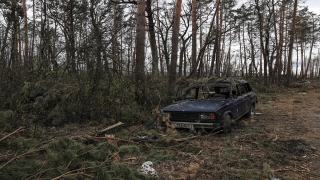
x=244 y=99
x=251 y=94
x=237 y=101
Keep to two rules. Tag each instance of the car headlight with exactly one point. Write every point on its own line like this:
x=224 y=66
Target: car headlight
x=207 y=116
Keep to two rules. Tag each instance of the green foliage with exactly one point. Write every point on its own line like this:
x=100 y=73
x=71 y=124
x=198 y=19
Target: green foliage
x=57 y=116
x=128 y=150
x=157 y=156
x=124 y=171
x=67 y=155
x=5 y=117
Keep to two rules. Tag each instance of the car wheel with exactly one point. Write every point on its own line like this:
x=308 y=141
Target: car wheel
x=226 y=124
x=250 y=113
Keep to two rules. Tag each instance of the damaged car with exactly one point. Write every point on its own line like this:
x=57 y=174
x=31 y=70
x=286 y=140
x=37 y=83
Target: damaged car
x=212 y=105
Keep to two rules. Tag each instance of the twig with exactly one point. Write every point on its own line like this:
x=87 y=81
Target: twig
x=288 y=169
x=14 y=132
x=187 y=138
x=39 y=173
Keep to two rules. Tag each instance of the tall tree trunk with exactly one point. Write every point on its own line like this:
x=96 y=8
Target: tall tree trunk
x=4 y=45
x=240 y=44
x=218 y=38
x=297 y=53
x=292 y=31
x=194 y=36
x=281 y=39
x=245 y=52
x=140 y=50
x=302 y=56
x=153 y=42
x=174 y=53
x=33 y=35
x=159 y=49
x=98 y=38
x=72 y=37
x=311 y=48
x=114 y=40
x=14 y=42
x=26 y=42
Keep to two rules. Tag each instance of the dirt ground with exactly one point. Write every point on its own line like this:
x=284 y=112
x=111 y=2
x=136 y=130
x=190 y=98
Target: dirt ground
x=296 y=115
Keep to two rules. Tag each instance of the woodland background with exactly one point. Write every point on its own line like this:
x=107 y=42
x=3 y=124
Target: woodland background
x=103 y=61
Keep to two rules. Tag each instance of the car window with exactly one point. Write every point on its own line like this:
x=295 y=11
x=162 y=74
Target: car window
x=242 y=89
x=191 y=93
x=248 y=87
x=221 y=90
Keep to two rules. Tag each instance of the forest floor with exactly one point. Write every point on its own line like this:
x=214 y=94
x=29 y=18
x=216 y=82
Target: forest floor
x=281 y=141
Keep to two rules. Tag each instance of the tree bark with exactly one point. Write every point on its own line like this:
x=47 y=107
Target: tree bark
x=140 y=52
x=174 y=53
x=153 y=42
x=26 y=42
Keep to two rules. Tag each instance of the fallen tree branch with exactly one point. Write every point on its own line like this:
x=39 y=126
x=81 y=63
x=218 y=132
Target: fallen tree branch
x=17 y=157
x=73 y=172
x=14 y=132
x=108 y=128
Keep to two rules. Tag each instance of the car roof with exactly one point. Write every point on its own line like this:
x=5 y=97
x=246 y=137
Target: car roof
x=231 y=80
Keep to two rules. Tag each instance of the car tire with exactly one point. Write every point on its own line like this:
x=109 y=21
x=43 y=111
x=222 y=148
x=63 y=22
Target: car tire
x=226 y=124
x=250 y=113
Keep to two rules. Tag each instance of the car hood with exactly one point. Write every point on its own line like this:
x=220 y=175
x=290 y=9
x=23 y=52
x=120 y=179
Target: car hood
x=195 y=106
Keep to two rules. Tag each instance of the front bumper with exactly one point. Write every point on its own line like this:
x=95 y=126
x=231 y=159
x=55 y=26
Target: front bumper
x=190 y=125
